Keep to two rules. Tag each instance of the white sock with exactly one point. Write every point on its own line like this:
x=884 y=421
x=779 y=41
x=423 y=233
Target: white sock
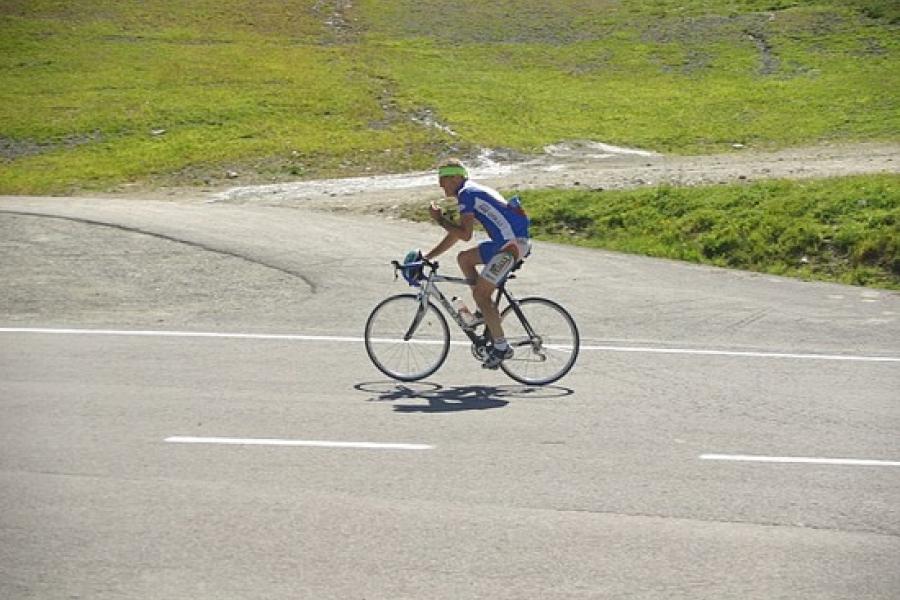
x=500 y=344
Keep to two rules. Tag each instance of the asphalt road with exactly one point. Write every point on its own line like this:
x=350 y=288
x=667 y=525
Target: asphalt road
x=470 y=486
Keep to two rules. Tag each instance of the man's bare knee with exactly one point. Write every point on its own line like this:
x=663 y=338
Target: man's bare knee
x=482 y=291
x=468 y=261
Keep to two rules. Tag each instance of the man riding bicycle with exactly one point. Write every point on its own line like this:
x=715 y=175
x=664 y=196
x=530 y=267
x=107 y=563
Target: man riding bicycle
x=506 y=224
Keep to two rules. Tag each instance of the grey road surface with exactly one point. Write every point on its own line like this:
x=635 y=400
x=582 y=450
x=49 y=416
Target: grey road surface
x=601 y=486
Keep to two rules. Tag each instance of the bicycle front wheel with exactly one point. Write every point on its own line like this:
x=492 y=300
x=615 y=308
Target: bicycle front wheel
x=545 y=340
x=406 y=341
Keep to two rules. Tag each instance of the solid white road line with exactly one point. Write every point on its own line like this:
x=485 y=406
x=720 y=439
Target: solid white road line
x=307 y=443
x=358 y=340
x=741 y=353
x=187 y=334
x=801 y=460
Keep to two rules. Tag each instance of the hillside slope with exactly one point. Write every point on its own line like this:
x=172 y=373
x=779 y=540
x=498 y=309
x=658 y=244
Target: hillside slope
x=100 y=93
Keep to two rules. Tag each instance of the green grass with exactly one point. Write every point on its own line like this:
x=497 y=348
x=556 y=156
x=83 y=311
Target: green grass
x=845 y=230
x=673 y=84
x=275 y=92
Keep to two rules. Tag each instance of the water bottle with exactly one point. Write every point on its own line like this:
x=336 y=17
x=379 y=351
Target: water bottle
x=464 y=313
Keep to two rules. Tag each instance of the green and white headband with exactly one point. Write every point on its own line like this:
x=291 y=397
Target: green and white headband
x=451 y=170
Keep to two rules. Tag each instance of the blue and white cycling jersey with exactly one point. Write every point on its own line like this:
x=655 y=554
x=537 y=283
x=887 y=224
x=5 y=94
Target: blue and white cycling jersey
x=503 y=221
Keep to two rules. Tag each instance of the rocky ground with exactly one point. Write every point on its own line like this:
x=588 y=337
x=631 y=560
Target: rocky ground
x=588 y=165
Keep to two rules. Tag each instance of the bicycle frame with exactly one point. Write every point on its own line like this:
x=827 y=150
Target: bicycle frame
x=431 y=290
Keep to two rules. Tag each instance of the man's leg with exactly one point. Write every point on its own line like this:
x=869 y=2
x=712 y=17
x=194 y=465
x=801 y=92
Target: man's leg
x=500 y=349
x=482 y=290
x=485 y=285
x=468 y=262
x=494 y=273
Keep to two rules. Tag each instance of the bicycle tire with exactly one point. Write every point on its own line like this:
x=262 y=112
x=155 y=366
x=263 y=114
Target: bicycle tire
x=406 y=360
x=552 y=353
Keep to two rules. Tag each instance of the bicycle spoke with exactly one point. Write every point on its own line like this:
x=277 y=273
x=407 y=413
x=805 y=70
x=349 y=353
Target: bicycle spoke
x=411 y=359
x=552 y=351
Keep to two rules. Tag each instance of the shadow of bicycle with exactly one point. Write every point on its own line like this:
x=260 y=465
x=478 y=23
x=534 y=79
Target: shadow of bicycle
x=440 y=399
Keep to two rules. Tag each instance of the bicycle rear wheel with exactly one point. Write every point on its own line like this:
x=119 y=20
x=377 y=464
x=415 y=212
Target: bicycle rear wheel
x=545 y=340
x=405 y=341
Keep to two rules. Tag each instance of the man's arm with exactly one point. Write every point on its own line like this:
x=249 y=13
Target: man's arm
x=455 y=232
x=462 y=231
x=444 y=245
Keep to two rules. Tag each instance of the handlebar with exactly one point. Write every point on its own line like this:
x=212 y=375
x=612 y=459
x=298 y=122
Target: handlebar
x=433 y=265
x=416 y=267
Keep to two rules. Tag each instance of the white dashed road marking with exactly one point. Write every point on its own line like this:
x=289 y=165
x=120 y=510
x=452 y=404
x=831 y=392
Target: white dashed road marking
x=301 y=443
x=854 y=462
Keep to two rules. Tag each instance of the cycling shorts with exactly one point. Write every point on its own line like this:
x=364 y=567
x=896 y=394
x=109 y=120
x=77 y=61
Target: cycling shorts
x=499 y=258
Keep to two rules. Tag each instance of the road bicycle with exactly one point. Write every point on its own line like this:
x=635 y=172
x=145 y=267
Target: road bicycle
x=407 y=336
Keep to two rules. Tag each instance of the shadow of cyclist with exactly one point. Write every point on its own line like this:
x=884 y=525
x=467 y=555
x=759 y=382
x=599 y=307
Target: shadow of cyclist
x=453 y=399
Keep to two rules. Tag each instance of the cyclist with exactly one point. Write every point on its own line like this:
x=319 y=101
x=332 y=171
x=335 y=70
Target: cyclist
x=506 y=224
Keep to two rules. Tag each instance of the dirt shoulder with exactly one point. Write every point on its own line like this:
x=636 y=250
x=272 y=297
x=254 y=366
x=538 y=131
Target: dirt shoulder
x=576 y=164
